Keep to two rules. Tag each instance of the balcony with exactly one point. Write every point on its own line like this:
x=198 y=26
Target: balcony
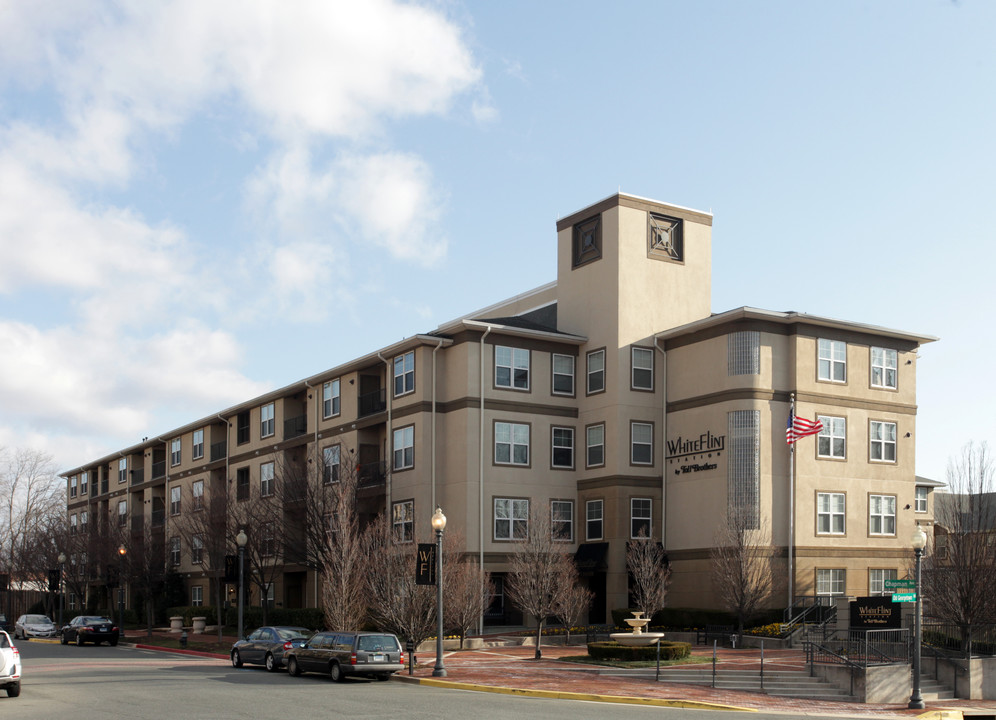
x=219 y=450
x=103 y=486
x=158 y=517
x=372 y=402
x=158 y=469
x=138 y=476
x=371 y=474
x=295 y=427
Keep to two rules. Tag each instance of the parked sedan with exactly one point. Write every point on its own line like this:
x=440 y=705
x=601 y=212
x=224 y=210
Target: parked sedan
x=266 y=646
x=90 y=628
x=10 y=666
x=29 y=626
x=339 y=654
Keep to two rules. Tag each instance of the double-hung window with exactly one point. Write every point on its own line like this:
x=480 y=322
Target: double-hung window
x=268 y=546
x=72 y=486
x=641 y=443
x=196 y=594
x=594 y=516
x=511 y=519
x=72 y=524
x=830 y=581
x=642 y=377
x=921 y=500
x=562 y=447
x=122 y=470
x=330 y=458
x=832 y=361
x=84 y=518
x=197 y=452
x=404 y=448
x=883 y=441
x=640 y=518
x=267 y=425
x=884 y=367
x=830 y=513
x=84 y=483
x=563 y=374
x=242 y=484
x=197 y=549
x=595 y=445
x=174 y=500
x=198 y=494
x=877 y=578
x=511 y=443
x=404 y=374
x=832 y=440
x=330 y=399
x=596 y=371
x=562 y=520
x=174 y=452
x=266 y=483
x=511 y=367
x=403 y=521
x=882 y=514
x=174 y=551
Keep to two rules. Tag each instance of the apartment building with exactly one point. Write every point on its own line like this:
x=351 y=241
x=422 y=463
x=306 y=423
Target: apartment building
x=612 y=398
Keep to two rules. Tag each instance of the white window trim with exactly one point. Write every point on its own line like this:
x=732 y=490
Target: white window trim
x=830 y=514
x=883 y=367
x=512 y=444
x=882 y=516
x=267 y=479
x=197 y=498
x=877 y=592
x=600 y=504
x=588 y=446
x=405 y=374
x=554 y=447
x=196 y=595
x=195 y=453
x=406 y=443
x=649 y=519
x=175 y=500
x=175 y=452
x=267 y=425
x=820 y=357
x=330 y=472
x=633 y=444
x=916 y=499
x=834 y=574
x=872 y=441
x=122 y=470
x=633 y=368
x=512 y=518
x=554 y=374
x=514 y=352
x=331 y=391
x=827 y=432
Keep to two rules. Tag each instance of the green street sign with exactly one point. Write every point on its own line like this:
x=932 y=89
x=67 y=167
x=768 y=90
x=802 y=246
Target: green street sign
x=900 y=584
x=904 y=597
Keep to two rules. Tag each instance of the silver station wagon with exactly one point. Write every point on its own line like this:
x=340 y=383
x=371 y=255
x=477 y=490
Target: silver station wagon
x=341 y=654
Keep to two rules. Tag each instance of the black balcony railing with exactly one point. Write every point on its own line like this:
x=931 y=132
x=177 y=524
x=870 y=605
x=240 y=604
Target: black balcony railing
x=137 y=524
x=158 y=517
x=295 y=427
x=103 y=486
x=219 y=450
x=138 y=476
x=371 y=474
x=372 y=402
x=159 y=469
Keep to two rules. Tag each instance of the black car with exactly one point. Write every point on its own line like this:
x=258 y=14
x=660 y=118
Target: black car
x=89 y=628
x=339 y=654
x=266 y=646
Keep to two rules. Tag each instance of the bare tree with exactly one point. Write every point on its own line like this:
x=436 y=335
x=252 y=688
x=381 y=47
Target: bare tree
x=343 y=558
x=402 y=606
x=147 y=569
x=574 y=601
x=468 y=588
x=262 y=519
x=538 y=573
x=741 y=570
x=960 y=574
x=204 y=530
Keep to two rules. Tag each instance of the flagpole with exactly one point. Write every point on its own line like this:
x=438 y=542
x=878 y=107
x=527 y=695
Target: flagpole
x=791 y=503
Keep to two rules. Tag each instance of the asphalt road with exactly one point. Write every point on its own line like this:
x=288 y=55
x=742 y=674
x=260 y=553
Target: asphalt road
x=121 y=682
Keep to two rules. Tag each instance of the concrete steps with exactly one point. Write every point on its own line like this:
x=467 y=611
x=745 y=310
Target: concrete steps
x=782 y=683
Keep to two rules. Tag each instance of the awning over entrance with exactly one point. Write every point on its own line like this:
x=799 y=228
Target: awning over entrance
x=590 y=557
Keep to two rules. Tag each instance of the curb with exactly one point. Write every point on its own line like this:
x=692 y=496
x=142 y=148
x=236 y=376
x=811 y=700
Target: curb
x=587 y=697
x=176 y=651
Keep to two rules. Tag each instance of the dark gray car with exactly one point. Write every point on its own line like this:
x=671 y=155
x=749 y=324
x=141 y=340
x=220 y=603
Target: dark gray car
x=341 y=654
x=266 y=645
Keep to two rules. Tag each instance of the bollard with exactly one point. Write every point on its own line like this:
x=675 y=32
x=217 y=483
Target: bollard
x=183 y=639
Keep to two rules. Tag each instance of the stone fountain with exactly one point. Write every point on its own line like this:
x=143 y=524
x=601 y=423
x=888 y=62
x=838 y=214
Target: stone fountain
x=637 y=636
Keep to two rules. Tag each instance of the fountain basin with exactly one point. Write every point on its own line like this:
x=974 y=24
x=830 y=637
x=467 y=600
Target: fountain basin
x=634 y=639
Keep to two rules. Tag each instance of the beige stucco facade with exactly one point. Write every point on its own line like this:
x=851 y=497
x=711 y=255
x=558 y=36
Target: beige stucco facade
x=614 y=393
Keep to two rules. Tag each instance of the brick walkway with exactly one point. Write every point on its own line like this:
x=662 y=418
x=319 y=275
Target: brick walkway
x=513 y=669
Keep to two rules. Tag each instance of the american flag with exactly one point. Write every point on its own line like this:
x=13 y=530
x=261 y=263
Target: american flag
x=800 y=427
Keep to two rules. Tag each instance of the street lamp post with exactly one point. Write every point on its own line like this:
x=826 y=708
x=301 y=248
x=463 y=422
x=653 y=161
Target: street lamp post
x=62 y=580
x=241 y=539
x=122 y=551
x=919 y=540
x=439 y=524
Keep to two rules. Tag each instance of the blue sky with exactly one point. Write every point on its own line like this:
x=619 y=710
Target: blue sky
x=200 y=202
